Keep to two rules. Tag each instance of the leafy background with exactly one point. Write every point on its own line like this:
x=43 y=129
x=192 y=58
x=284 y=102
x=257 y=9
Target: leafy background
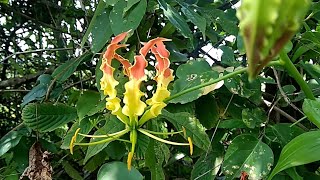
x=49 y=53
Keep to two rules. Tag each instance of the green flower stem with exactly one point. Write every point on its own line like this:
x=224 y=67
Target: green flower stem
x=227 y=76
x=105 y=140
x=103 y=136
x=162 y=140
x=163 y=133
x=296 y=75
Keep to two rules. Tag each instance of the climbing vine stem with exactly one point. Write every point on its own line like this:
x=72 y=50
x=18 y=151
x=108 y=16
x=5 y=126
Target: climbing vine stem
x=287 y=63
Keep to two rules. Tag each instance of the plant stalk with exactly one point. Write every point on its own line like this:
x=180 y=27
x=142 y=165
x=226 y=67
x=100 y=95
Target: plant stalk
x=296 y=75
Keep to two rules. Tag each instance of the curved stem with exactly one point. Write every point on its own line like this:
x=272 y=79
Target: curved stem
x=162 y=140
x=105 y=140
x=296 y=75
x=163 y=133
x=227 y=76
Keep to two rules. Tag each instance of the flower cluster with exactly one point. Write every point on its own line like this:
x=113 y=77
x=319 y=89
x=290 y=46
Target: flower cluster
x=134 y=112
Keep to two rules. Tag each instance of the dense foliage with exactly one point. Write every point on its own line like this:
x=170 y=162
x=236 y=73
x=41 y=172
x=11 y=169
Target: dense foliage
x=240 y=103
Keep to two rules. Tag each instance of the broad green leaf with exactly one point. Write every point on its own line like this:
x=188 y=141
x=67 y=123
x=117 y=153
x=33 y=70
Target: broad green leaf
x=122 y=21
x=207 y=111
x=96 y=161
x=116 y=150
x=253 y=117
x=167 y=31
x=4 y=1
x=130 y=3
x=101 y=31
x=89 y=103
x=312 y=110
x=193 y=128
x=65 y=70
x=71 y=171
x=227 y=57
x=47 y=117
x=207 y=166
x=194 y=17
x=155 y=157
x=312 y=69
x=283 y=133
x=232 y=123
x=39 y=91
x=249 y=154
x=240 y=85
x=11 y=139
x=141 y=146
x=176 y=19
x=85 y=126
x=111 y=2
x=118 y=171
x=191 y=74
x=100 y=8
x=112 y=125
x=301 y=50
x=301 y=150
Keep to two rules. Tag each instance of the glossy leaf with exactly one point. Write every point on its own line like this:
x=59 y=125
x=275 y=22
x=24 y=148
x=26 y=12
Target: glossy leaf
x=283 y=133
x=301 y=150
x=247 y=153
x=122 y=21
x=193 y=128
x=312 y=110
x=100 y=8
x=191 y=74
x=176 y=19
x=39 y=91
x=101 y=31
x=207 y=166
x=11 y=139
x=227 y=57
x=71 y=171
x=312 y=69
x=89 y=103
x=65 y=70
x=112 y=125
x=253 y=117
x=47 y=117
x=85 y=126
x=118 y=171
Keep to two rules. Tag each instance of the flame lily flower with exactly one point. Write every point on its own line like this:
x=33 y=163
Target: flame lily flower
x=135 y=112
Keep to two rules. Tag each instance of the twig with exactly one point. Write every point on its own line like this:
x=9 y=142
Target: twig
x=14 y=90
x=35 y=51
x=290 y=118
x=81 y=81
x=285 y=97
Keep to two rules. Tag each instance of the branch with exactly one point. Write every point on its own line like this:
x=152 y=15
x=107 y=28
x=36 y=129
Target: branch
x=21 y=80
x=35 y=51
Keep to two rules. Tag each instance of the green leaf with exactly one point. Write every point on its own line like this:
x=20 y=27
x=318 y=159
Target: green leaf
x=130 y=4
x=122 y=20
x=71 y=171
x=4 y=1
x=102 y=31
x=97 y=160
x=253 y=117
x=283 y=133
x=194 y=129
x=142 y=146
x=207 y=166
x=47 y=117
x=176 y=19
x=100 y=8
x=191 y=74
x=39 y=91
x=194 y=17
x=312 y=110
x=11 y=139
x=65 y=70
x=301 y=150
x=112 y=125
x=249 y=154
x=207 y=111
x=85 y=126
x=232 y=123
x=155 y=156
x=89 y=103
x=312 y=69
x=167 y=31
x=227 y=57
x=118 y=171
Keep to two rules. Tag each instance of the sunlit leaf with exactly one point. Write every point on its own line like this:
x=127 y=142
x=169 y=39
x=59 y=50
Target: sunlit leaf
x=312 y=110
